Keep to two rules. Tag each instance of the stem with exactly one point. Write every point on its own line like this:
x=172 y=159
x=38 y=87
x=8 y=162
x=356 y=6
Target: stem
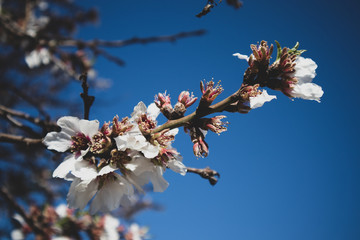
x=88 y=100
x=218 y=107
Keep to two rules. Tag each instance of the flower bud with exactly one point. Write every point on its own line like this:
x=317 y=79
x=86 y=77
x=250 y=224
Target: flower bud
x=163 y=102
x=210 y=91
x=119 y=128
x=187 y=99
x=215 y=124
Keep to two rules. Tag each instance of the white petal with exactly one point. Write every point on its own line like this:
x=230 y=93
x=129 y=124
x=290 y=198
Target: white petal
x=305 y=70
x=140 y=108
x=241 y=56
x=153 y=111
x=59 y=141
x=65 y=167
x=107 y=169
x=84 y=170
x=260 y=99
x=80 y=193
x=150 y=151
x=69 y=125
x=109 y=196
x=173 y=132
x=89 y=128
x=177 y=166
x=309 y=91
x=159 y=183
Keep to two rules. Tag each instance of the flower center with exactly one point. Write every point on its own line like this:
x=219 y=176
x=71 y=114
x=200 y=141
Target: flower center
x=79 y=142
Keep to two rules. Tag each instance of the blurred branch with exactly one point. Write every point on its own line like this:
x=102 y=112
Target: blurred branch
x=131 y=41
x=12 y=202
x=206 y=173
x=5 y=137
x=211 y=3
x=46 y=125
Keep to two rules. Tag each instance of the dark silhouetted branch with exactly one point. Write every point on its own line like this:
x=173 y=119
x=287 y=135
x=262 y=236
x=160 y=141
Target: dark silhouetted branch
x=88 y=100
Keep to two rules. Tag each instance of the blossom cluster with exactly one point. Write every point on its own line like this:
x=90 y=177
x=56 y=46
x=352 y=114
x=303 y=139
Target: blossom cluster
x=60 y=223
x=106 y=164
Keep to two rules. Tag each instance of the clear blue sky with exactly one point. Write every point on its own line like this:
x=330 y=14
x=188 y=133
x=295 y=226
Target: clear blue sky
x=289 y=170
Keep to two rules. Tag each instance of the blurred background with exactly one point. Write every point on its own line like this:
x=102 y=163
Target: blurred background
x=290 y=169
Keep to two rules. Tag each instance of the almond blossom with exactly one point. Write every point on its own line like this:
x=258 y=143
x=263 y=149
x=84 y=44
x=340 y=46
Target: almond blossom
x=75 y=135
x=260 y=99
x=301 y=85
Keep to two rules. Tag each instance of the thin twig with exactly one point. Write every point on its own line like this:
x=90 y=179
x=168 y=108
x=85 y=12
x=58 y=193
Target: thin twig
x=206 y=173
x=131 y=41
x=218 y=107
x=38 y=121
x=5 y=137
x=12 y=202
x=88 y=100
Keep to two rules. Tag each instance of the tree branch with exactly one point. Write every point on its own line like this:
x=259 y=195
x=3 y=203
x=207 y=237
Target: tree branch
x=206 y=173
x=5 y=137
x=88 y=100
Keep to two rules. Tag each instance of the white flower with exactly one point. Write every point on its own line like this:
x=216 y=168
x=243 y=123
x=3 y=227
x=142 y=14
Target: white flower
x=37 y=57
x=152 y=111
x=136 y=141
x=260 y=99
x=241 y=56
x=137 y=233
x=304 y=88
x=75 y=134
x=109 y=188
x=144 y=171
x=110 y=228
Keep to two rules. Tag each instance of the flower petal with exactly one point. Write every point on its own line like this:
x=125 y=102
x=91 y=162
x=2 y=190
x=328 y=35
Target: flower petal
x=81 y=192
x=260 y=99
x=65 y=167
x=308 y=91
x=59 y=141
x=177 y=166
x=69 y=125
x=153 y=111
x=89 y=128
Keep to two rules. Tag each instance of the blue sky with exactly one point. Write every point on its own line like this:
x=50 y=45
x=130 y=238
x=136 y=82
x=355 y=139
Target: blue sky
x=289 y=170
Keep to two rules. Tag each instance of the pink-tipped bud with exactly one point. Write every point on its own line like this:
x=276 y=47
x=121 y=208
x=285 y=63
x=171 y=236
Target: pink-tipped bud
x=163 y=138
x=200 y=148
x=210 y=90
x=120 y=127
x=187 y=99
x=161 y=100
x=215 y=124
x=262 y=52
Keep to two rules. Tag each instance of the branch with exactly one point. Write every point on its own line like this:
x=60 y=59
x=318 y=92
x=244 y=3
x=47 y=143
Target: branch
x=38 y=121
x=88 y=100
x=11 y=201
x=131 y=41
x=5 y=137
x=206 y=173
x=218 y=107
